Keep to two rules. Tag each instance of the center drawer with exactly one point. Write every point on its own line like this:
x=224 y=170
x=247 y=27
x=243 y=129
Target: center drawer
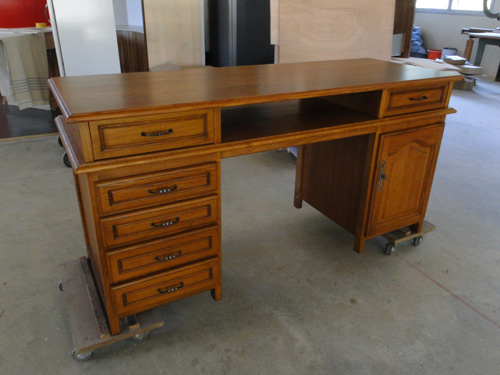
x=143 y=134
x=158 y=222
x=153 y=189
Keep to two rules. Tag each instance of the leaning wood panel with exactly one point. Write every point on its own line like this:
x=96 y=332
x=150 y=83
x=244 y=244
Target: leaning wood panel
x=174 y=32
x=331 y=30
x=132 y=50
x=403 y=23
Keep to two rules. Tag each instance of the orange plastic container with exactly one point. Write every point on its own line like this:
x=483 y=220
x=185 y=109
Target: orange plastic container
x=433 y=54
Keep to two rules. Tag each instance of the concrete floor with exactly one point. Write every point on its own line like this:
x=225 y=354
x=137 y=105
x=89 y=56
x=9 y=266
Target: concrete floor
x=296 y=298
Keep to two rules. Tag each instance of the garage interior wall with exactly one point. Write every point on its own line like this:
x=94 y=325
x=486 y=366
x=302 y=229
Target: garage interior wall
x=443 y=30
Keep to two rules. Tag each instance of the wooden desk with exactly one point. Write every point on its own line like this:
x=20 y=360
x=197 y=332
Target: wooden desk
x=146 y=151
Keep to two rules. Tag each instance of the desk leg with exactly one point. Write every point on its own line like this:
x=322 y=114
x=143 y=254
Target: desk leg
x=497 y=78
x=479 y=53
x=468 y=48
x=297 y=201
x=359 y=244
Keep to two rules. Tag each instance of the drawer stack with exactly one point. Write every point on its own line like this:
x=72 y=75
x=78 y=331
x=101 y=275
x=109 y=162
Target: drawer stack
x=160 y=235
x=155 y=220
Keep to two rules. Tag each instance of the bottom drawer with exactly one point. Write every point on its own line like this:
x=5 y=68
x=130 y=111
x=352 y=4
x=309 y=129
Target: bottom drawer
x=144 y=294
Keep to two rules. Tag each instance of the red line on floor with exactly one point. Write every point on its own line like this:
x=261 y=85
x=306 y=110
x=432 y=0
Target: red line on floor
x=451 y=293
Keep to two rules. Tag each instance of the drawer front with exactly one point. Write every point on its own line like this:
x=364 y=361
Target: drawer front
x=166 y=287
x=158 y=222
x=156 y=188
x=161 y=255
x=416 y=99
x=122 y=137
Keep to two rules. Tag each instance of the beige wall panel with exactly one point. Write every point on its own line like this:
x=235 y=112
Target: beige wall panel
x=174 y=31
x=335 y=29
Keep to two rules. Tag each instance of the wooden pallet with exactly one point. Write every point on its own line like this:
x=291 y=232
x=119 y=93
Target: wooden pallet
x=87 y=319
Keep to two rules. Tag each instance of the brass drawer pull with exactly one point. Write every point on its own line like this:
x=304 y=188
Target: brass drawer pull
x=419 y=99
x=144 y=134
x=163 y=190
x=165 y=223
x=170 y=290
x=169 y=257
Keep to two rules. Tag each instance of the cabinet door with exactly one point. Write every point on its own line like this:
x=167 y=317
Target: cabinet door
x=405 y=167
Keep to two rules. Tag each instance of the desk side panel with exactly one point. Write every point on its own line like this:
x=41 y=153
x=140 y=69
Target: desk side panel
x=332 y=178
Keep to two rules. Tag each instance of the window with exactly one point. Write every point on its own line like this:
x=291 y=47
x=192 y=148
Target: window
x=453 y=6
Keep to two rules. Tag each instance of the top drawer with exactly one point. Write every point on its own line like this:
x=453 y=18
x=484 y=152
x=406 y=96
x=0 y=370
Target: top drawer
x=139 y=135
x=416 y=99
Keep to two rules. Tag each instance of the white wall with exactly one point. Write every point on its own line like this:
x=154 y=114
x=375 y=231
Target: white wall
x=120 y=10
x=134 y=13
x=128 y=12
x=441 y=30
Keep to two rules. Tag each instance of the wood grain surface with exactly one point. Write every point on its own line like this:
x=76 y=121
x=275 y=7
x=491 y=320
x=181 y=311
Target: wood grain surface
x=119 y=95
x=325 y=30
x=174 y=31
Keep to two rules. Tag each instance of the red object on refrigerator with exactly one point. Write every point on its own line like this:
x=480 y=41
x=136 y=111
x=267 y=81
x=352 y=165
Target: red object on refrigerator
x=22 y=13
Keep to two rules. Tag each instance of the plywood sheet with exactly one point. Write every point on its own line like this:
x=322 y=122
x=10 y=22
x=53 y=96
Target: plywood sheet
x=335 y=29
x=175 y=32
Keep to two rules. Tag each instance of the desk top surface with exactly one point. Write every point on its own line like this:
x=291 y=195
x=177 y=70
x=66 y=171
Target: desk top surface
x=93 y=97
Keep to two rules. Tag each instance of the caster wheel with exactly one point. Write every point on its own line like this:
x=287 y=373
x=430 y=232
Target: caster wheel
x=59 y=141
x=66 y=161
x=81 y=357
x=60 y=286
x=390 y=248
x=140 y=337
x=418 y=240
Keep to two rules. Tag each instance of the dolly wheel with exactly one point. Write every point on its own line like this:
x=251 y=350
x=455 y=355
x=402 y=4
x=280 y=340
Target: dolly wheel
x=81 y=357
x=66 y=161
x=140 y=337
x=60 y=286
x=418 y=240
x=389 y=248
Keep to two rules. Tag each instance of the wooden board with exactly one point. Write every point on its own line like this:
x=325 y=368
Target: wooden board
x=331 y=30
x=403 y=23
x=405 y=234
x=174 y=32
x=86 y=318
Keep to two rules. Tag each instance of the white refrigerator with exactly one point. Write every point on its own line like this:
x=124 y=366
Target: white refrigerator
x=85 y=36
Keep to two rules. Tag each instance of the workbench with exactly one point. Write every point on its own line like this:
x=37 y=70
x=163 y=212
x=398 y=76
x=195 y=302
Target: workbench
x=146 y=151
x=485 y=37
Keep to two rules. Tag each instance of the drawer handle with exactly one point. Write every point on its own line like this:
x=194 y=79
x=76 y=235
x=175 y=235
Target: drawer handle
x=169 y=257
x=163 y=190
x=165 y=223
x=382 y=177
x=171 y=289
x=419 y=99
x=169 y=131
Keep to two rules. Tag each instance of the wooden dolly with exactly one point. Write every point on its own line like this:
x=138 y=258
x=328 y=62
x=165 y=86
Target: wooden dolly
x=87 y=320
x=405 y=234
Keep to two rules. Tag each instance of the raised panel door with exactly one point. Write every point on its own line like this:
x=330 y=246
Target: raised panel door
x=405 y=168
